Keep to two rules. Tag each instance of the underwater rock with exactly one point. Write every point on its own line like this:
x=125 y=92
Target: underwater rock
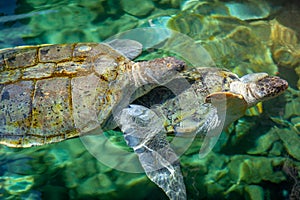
x=123 y=23
x=69 y=36
x=160 y=21
x=71 y=179
x=13 y=36
x=189 y=24
x=74 y=160
x=297 y=70
x=58 y=157
x=194 y=162
x=242 y=128
x=254 y=192
x=232 y=43
x=203 y=28
x=204 y=176
x=189 y=4
x=16 y=184
x=137 y=8
x=135 y=186
x=74 y=147
x=293 y=103
x=85 y=166
x=249 y=10
x=250 y=169
x=287 y=56
x=295 y=121
x=98 y=185
x=291 y=141
x=64 y=17
x=211 y=166
x=264 y=143
x=171 y=3
x=242 y=52
x=285 y=47
x=246 y=10
x=205 y=8
x=40 y=3
x=234 y=176
x=95 y=6
x=71 y=17
x=277 y=149
x=282 y=35
x=214 y=189
x=129 y=179
x=262 y=30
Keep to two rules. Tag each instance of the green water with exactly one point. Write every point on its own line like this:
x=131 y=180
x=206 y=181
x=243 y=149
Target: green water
x=258 y=157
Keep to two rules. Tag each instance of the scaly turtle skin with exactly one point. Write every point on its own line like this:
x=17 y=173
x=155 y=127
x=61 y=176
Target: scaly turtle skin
x=215 y=99
x=49 y=93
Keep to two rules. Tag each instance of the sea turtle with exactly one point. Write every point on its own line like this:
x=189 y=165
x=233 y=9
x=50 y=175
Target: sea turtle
x=215 y=99
x=50 y=93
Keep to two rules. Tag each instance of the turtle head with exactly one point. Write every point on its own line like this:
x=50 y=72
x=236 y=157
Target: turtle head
x=258 y=87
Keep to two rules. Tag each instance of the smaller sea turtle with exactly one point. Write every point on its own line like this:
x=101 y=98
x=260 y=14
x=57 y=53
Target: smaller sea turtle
x=215 y=99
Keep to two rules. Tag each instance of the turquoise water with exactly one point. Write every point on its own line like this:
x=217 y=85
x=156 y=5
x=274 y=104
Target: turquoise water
x=257 y=157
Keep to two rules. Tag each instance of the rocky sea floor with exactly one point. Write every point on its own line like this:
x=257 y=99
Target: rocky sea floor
x=257 y=157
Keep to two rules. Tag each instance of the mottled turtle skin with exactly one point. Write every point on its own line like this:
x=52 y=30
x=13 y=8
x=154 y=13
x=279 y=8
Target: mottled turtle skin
x=49 y=93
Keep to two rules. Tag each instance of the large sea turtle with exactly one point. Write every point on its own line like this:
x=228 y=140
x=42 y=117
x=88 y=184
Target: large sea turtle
x=50 y=93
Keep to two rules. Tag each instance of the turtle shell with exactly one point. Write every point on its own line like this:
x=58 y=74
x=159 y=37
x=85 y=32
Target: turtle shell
x=49 y=93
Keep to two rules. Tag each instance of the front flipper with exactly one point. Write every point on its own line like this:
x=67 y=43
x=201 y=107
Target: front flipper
x=226 y=108
x=212 y=128
x=144 y=132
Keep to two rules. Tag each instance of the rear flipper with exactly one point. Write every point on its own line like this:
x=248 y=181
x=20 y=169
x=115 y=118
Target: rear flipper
x=144 y=132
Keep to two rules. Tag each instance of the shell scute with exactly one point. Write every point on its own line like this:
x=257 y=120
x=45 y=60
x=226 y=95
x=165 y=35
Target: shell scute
x=41 y=70
x=55 y=53
x=19 y=57
x=15 y=112
x=51 y=109
x=10 y=76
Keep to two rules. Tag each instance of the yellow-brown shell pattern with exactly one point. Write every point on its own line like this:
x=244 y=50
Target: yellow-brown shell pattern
x=49 y=93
